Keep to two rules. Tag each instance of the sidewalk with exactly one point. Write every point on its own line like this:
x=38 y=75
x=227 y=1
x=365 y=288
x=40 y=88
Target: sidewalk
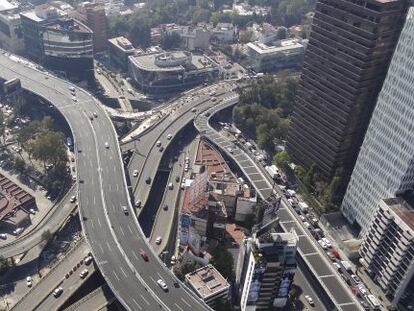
x=42 y=203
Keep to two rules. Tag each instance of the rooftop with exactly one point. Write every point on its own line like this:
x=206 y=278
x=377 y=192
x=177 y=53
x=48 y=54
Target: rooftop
x=284 y=46
x=403 y=209
x=68 y=24
x=7 y=5
x=207 y=281
x=122 y=43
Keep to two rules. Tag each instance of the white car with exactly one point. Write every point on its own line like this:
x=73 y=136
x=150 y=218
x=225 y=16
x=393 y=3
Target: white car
x=135 y=173
x=58 y=291
x=327 y=242
x=138 y=203
x=125 y=209
x=88 y=260
x=162 y=284
x=309 y=299
x=158 y=240
x=72 y=199
x=84 y=273
x=106 y=145
x=362 y=289
x=29 y=281
x=3 y=236
x=323 y=244
x=337 y=266
x=158 y=144
x=169 y=136
x=74 y=99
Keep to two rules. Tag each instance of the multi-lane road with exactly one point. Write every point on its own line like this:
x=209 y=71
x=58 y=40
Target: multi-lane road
x=115 y=238
x=324 y=272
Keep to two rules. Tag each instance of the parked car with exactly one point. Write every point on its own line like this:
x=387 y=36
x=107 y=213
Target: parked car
x=84 y=273
x=162 y=284
x=29 y=282
x=158 y=240
x=135 y=173
x=57 y=292
x=143 y=255
x=355 y=278
x=88 y=260
x=72 y=199
x=310 y=300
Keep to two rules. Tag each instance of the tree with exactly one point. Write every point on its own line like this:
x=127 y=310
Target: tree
x=181 y=270
x=222 y=260
x=47 y=236
x=19 y=164
x=170 y=41
x=48 y=148
x=245 y=36
x=281 y=33
x=300 y=172
x=2 y=125
x=310 y=177
x=281 y=159
x=4 y=263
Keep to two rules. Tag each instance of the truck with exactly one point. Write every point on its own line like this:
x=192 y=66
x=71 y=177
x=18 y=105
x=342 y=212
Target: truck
x=373 y=301
x=303 y=207
x=272 y=170
x=347 y=265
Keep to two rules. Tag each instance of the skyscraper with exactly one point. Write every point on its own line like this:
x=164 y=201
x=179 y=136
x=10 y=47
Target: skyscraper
x=265 y=270
x=385 y=164
x=350 y=46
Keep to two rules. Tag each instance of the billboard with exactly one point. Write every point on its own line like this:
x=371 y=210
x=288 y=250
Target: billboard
x=185 y=222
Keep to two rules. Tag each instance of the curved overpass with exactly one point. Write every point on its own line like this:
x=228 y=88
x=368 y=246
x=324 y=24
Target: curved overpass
x=115 y=238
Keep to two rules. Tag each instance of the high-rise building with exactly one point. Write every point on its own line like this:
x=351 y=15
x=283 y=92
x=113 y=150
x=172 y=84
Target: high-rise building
x=350 y=46
x=385 y=164
x=265 y=269
x=96 y=20
x=388 y=248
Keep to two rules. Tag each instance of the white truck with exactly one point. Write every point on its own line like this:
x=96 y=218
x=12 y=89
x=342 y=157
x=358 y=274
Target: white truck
x=303 y=207
x=347 y=265
x=272 y=170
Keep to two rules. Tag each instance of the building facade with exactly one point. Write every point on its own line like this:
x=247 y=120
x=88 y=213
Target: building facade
x=286 y=54
x=385 y=164
x=120 y=48
x=346 y=60
x=59 y=43
x=265 y=269
x=388 y=248
x=11 y=35
x=96 y=20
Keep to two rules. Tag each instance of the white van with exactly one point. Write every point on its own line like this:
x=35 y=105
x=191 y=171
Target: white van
x=170 y=186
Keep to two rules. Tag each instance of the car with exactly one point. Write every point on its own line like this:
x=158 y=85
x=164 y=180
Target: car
x=355 y=278
x=173 y=260
x=309 y=300
x=177 y=179
x=95 y=114
x=72 y=199
x=74 y=99
x=135 y=173
x=29 y=281
x=58 y=291
x=143 y=255
x=306 y=224
x=165 y=208
x=323 y=244
x=161 y=149
x=158 y=240
x=302 y=217
x=207 y=114
x=194 y=110
x=169 y=136
x=72 y=89
x=158 y=144
x=327 y=242
x=362 y=289
x=125 y=209
x=162 y=284
x=148 y=180
x=88 y=260
x=91 y=117
x=17 y=231
x=138 y=203
x=84 y=273
x=106 y=145
x=3 y=236
x=337 y=266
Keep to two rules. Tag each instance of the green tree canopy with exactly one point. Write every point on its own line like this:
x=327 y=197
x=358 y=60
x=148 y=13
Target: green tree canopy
x=222 y=260
x=281 y=159
x=170 y=41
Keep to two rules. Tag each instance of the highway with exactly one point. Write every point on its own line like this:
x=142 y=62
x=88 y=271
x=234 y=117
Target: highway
x=52 y=222
x=313 y=256
x=96 y=300
x=115 y=238
x=40 y=295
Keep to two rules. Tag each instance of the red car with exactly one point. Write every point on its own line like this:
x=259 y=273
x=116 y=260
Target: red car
x=144 y=255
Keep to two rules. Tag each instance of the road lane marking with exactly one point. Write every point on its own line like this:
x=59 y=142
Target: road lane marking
x=137 y=303
x=185 y=302
x=94 y=200
x=99 y=222
x=179 y=307
x=130 y=230
x=146 y=301
x=102 y=251
x=116 y=275
x=109 y=246
x=135 y=255
x=122 y=231
x=123 y=272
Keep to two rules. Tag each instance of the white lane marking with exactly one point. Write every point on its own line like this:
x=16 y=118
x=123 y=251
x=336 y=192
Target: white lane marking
x=91 y=222
x=130 y=230
x=179 y=307
x=122 y=231
x=94 y=200
x=116 y=275
x=109 y=246
x=146 y=301
x=153 y=280
x=159 y=275
x=135 y=255
x=137 y=303
x=110 y=186
x=100 y=246
x=185 y=302
x=123 y=272
x=99 y=222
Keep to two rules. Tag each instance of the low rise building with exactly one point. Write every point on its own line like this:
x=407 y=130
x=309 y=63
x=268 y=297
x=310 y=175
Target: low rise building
x=286 y=54
x=166 y=72
x=11 y=35
x=387 y=251
x=120 y=48
x=224 y=33
x=265 y=269
x=195 y=38
x=208 y=284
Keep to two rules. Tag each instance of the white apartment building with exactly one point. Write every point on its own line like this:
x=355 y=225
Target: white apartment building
x=385 y=164
x=388 y=248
